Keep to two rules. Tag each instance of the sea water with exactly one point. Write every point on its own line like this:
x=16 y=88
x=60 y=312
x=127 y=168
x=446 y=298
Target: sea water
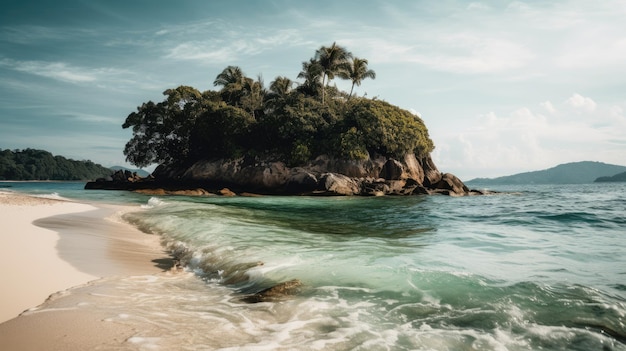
x=537 y=267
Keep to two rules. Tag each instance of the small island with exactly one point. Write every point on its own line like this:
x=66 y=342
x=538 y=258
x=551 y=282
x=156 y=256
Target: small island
x=305 y=137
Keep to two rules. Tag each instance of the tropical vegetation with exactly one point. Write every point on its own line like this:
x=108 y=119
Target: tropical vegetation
x=33 y=164
x=294 y=121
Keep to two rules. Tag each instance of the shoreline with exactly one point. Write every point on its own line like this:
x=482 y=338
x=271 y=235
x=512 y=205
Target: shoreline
x=33 y=270
x=52 y=246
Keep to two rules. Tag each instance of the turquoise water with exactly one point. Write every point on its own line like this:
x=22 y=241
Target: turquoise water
x=535 y=268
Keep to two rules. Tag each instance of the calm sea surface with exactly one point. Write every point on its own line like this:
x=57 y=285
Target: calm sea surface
x=535 y=268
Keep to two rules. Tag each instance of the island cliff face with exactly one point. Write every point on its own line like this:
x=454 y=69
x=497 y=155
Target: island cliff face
x=323 y=176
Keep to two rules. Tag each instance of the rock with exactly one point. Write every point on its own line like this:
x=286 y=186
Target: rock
x=420 y=190
x=432 y=175
x=276 y=292
x=392 y=170
x=160 y=191
x=301 y=182
x=325 y=175
x=191 y=192
x=339 y=184
x=413 y=169
x=157 y=191
x=374 y=187
x=244 y=194
x=227 y=192
x=451 y=185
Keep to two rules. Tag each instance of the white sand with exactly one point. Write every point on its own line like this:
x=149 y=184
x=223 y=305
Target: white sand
x=49 y=246
x=31 y=269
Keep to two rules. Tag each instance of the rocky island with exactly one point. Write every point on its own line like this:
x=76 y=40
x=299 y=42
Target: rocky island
x=323 y=176
x=295 y=138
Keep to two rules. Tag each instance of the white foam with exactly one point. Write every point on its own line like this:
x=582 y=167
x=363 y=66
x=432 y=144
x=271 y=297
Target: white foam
x=149 y=343
x=52 y=196
x=153 y=202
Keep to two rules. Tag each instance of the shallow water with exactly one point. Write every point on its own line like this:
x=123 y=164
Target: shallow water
x=536 y=268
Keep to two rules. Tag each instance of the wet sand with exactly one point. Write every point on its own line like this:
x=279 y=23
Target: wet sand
x=49 y=246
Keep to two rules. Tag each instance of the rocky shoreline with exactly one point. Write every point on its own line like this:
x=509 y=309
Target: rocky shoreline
x=324 y=176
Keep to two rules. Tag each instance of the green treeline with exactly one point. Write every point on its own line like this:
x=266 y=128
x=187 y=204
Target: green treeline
x=290 y=121
x=31 y=164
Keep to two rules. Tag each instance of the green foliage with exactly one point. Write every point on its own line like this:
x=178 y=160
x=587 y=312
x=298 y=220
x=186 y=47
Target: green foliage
x=387 y=129
x=161 y=131
x=32 y=164
x=353 y=145
x=293 y=124
x=221 y=130
x=300 y=153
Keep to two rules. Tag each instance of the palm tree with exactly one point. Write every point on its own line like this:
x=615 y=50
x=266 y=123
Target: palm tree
x=332 y=59
x=233 y=82
x=281 y=86
x=356 y=71
x=279 y=91
x=312 y=73
x=254 y=93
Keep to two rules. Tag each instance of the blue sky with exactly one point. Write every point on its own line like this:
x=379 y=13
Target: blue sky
x=504 y=87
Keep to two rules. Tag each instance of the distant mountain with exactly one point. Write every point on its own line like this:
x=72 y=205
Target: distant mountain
x=620 y=177
x=140 y=172
x=568 y=173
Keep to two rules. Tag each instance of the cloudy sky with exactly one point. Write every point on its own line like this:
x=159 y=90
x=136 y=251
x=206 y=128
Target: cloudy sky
x=504 y=87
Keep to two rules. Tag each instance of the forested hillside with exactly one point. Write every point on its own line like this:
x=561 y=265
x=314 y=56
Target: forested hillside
x=620 y=177
x=32 y=164
x=569 y=173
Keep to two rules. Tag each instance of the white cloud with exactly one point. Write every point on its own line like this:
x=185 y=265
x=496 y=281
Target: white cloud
x=226 y=45
x=478 y=6
x=202 y=51
x=617 y=113
x=93 y=118
x=55 y=70
x=518 y=6
x=463 y=53
x=525 y=140
x=549 y=107
x=580 y=102
x=65 y=72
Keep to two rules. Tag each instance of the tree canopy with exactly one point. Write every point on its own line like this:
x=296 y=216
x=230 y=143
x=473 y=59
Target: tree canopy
x=32 y=164
x=294 y=121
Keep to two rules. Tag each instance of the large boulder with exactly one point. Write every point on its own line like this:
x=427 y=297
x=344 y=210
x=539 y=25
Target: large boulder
x=339 y=184
x=392 y=170
x=451 y=185
x=432 y=176
x=370 y=167
x=301 y=181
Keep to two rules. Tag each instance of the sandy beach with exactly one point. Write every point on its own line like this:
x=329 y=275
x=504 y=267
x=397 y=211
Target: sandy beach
x=49 y=246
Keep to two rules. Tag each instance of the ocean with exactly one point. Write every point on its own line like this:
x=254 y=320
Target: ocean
x=537 y=267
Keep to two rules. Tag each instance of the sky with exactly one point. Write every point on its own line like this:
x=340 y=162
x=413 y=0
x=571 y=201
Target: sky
x=503 y=86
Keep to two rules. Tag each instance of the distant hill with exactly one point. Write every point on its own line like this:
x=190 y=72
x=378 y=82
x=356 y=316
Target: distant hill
x=568 y=173
x=32 y=164
x=140 y=172
x=620 y=177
